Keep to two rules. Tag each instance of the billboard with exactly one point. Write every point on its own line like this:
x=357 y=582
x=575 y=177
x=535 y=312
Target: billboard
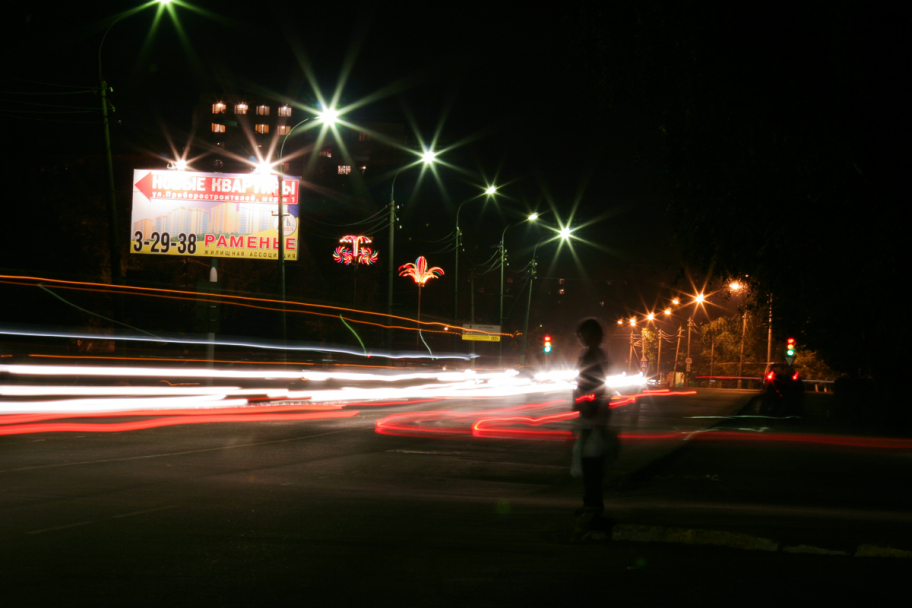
x=226 y=215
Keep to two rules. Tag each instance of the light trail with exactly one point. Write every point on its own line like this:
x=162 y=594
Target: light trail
x=166 y=339
x=232 y=300
x=118 y=427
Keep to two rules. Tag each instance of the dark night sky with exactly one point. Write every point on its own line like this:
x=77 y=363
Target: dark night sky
x=548 y=99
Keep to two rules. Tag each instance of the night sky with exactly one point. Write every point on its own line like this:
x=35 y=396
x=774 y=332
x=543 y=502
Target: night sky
x=572 y=106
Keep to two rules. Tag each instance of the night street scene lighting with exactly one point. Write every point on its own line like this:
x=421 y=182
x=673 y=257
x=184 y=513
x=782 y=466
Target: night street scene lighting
x=227 y=376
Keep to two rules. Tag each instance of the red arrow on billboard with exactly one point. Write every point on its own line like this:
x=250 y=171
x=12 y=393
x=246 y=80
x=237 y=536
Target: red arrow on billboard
x=145 y=185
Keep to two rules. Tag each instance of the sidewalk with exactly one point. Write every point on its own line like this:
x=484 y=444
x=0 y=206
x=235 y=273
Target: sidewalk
x=808 y=486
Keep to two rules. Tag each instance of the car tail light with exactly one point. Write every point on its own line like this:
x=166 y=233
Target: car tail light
x=771 y=376
x=795 y=377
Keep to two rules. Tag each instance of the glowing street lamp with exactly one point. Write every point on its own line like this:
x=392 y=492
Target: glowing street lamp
x=532 y=270
x=113 y=235
x=503 y=262
x=489 y=192
x=428 y=157
x=327 y=116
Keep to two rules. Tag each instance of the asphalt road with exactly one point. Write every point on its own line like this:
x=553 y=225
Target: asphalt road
x=331 y=511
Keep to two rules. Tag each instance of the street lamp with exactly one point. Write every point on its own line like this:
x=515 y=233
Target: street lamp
x=503 y=262
x=489 y=192
x=113 y=235
x=328 y=117
x=428 y=157
x=534 y=264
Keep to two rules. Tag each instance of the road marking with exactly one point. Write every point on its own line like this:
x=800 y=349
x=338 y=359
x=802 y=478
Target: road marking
x=82 y=523
x=85 y=523
x=421 y=452
x=225 y=447
x=143 y=512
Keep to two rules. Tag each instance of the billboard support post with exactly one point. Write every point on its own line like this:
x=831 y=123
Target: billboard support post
x=281 y=229
x=210 y=337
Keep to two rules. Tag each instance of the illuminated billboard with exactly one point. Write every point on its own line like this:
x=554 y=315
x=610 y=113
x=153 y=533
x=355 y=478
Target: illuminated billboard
x=226 y=215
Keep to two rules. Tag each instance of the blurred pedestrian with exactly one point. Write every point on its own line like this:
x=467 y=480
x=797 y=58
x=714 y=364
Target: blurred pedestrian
x=595 y=442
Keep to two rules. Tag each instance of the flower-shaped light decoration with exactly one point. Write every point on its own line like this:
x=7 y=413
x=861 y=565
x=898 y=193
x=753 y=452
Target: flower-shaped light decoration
x=357 y=254
x=420 y=271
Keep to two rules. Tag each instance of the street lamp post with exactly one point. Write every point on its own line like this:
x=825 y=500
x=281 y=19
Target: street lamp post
x=522 y=354
x=490 y=191
x=427 y=157
x=328 y=116
x=503 y=263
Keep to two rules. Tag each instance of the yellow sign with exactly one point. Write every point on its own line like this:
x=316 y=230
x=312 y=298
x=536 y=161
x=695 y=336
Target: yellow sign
x=491 y=333
x=481 y=337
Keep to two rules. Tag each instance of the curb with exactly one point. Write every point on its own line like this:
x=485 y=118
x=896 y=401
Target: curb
x=740 y=540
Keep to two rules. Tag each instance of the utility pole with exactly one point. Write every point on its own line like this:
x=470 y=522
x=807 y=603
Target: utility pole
x=741 y=360
x=674 y=379
x=472 y=304
x=503 y=263
x=712 y=354
x=392 y=264
x=659 y=359
x=686 y=368
x=522 y=355
x=769 y=336
x=632 y=354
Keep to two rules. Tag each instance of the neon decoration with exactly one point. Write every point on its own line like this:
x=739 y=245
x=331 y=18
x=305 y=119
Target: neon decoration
x=357 y=254
x=420 y=271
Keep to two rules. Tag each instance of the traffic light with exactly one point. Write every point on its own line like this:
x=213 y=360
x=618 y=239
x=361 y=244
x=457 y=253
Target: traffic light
x=547 y=344
x=790 y=350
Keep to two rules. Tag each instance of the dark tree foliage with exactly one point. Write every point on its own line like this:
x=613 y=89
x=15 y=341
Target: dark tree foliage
x=781 y=152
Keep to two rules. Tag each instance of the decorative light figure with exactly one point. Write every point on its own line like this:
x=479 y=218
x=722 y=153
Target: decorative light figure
x=357 y=254
x=420 y=271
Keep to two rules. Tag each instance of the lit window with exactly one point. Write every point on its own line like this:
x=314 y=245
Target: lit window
x=262 y=110
x=561 y=281
x=217 y=128
x=363 y=169
x=327 y=152
x=218 y=108
x=560 y=291
x=240 y=108
x=345 y=169
x=284 y=130
x=364 y=137
x=284 y=111
x=262 y=128
x=509 y=279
